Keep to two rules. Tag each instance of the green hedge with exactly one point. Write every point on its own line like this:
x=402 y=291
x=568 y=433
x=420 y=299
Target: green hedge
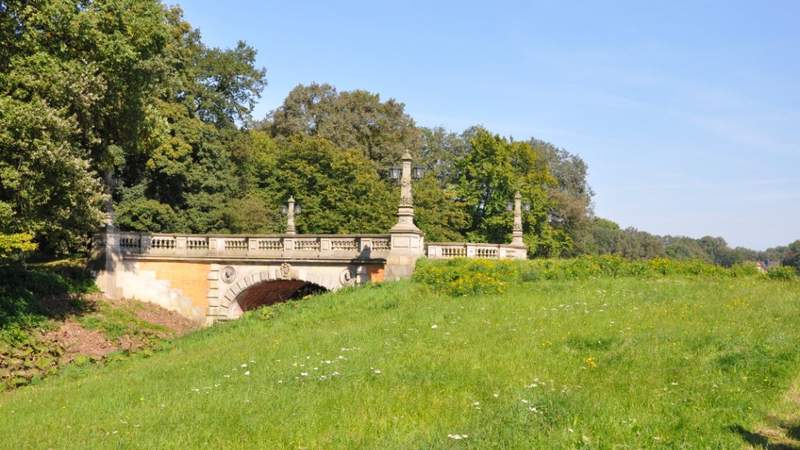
x=476 y=276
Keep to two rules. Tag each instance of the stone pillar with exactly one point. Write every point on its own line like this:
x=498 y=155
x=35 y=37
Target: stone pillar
x=516 y=234
x=106 y=278
x=407 y=242
x=290 y=228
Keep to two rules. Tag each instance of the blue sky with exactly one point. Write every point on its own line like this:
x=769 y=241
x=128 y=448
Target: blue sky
x=688 y=113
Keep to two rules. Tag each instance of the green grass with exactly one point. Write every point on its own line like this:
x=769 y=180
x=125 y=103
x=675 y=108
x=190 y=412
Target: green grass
x=605 y=363
x=116 y=322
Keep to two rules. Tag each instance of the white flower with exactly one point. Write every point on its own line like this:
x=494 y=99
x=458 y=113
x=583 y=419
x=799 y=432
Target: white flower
x=377 y=371
x=247 y=373
x=303 y=374
x=457 y=436
x=243 y=366
x=434 y=326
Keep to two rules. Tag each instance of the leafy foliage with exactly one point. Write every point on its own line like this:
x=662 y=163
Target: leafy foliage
x=783 y=273
x=358 y=119
x=459 y=277
x=12 y=245
x=489 y=175
x=120 y=105
x=471 y=276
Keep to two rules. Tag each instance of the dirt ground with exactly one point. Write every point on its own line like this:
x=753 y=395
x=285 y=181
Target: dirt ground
x=76 y=340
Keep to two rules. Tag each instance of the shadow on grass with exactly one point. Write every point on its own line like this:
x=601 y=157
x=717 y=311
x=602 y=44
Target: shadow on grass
x=33 y=294
x=792 y=430
x=761 y=440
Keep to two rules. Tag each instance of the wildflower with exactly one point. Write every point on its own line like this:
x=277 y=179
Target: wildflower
x=247 y=373
x=377 y=371
x=590 y=362
x=434 y=326
x=457 y=437
x=243 y=366
x=303 y=374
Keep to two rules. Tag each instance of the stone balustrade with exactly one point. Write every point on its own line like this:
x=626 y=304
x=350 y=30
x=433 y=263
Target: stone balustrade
x=306 y=246
x=449 y=250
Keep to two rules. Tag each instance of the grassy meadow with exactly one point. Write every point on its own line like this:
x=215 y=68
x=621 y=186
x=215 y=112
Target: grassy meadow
x=673 y=362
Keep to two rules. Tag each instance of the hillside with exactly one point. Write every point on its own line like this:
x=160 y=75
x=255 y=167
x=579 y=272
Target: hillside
x=660 y=363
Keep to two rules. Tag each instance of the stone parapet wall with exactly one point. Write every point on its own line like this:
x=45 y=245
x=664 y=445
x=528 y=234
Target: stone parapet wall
x=448 y=250
x=290 y=247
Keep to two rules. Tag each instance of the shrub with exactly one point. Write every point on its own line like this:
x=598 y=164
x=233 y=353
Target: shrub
x=467 y=276
x=745 y=269
x=475 y=276
x=783 y=273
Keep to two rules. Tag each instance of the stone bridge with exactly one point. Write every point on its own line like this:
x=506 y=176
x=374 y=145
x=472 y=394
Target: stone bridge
x=217 y=277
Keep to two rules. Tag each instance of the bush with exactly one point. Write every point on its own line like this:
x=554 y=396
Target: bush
x=467 y=276
x=745 y=269
x=475 y=276
x=782 y=273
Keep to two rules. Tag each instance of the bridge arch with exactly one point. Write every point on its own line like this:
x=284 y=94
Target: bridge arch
x=266 y=287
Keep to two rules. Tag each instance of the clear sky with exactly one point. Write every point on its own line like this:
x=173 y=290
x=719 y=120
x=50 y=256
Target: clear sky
x=687 y=113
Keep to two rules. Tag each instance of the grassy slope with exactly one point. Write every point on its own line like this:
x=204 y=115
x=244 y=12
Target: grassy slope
x=679 y=363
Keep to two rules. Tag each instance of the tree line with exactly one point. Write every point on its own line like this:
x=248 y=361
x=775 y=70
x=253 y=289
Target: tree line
x=119 y=105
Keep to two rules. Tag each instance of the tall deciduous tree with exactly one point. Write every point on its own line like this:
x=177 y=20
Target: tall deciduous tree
x=339 y=190
x=489 y=175
x=358 y=119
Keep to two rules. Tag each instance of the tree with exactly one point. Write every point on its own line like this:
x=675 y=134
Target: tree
x=338 y=190
x=15 y=245
x=601 y=237
x=440 y=151
x=489 y=175
x=792 y=257
x=682 y=247
x=123 y=91
x=635 y=244
x=439 y=212
x=570 y=196
x=358 y=119
x=46 y=186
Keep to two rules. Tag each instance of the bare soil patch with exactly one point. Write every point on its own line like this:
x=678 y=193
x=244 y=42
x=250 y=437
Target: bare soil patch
x=89 y=328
